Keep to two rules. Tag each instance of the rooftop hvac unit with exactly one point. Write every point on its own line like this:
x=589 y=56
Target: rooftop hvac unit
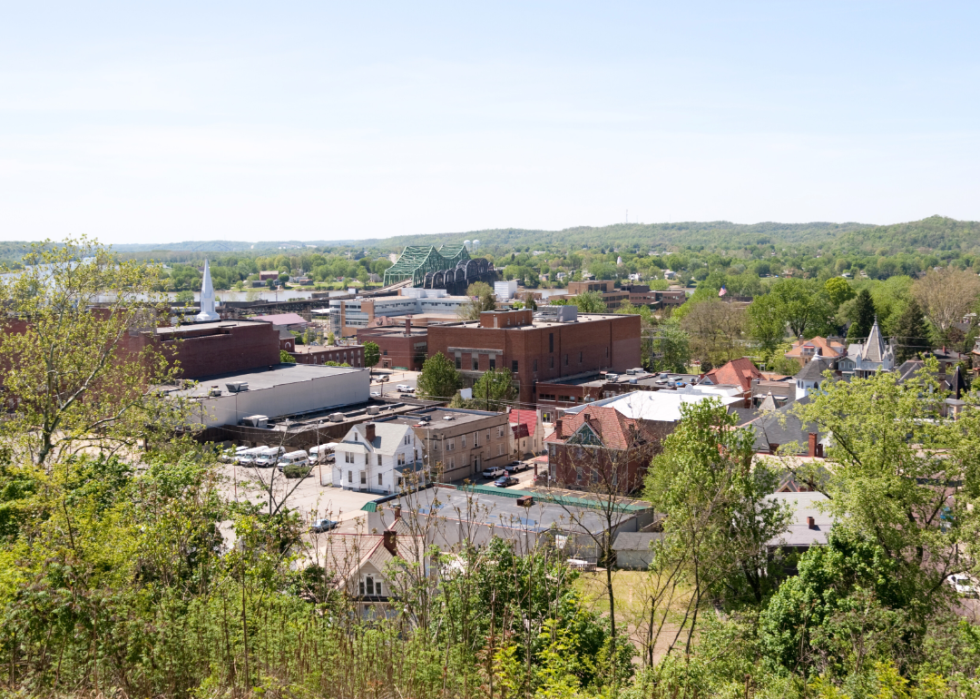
x=373 y=410
x=336 y=417
x=567 y=314
x=256 y=421
x=214 y=391
x=237 y=386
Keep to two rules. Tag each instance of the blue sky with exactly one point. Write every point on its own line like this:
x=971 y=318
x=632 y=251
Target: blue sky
x=140 y=122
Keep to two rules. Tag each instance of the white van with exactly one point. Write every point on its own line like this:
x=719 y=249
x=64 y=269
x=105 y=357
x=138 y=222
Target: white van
x=321 y=454
x=247 y=457
x=294 y=458
x=269 y=457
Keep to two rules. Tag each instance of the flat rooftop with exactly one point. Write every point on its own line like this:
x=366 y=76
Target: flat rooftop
x=260 y=379
x=216 y=325
x=439 y=418
x=662 y=406
x=479 y=507
x=312 y=349
x=543 y=323
x=597 y=379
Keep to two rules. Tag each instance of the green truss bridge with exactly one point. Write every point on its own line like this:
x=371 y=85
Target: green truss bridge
x=449 y=267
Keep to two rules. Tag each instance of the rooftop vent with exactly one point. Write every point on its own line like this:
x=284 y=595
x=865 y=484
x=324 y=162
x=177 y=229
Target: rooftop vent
x=373 y=410
x=336 y=417
x=237 y=386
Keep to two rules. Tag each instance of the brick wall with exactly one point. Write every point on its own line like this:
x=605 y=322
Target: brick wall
x=542 y=353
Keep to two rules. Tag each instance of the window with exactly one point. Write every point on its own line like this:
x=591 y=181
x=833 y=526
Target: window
x=399 y=481
x=379 y=459
x=363 y=478
x=493 y=362
x=350 y=476
x=551 y=342
x=500 y=431
x=566 y=360
x=369 y=587
x=380 y=479
x=452 y=462
x=459 y=362
x=476 y=362
x=500 y=450
x=578 y=474
x=401 y=459
x=534 y=365
x=513 y=366
x=579 y=357
x=551 y=362
x=366 y=457
x=408 y=439
x=476 y=439
x=451 y=445
x=462 y=442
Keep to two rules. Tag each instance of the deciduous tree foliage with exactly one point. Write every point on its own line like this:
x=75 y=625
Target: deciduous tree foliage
x=439 y=378
x=74 y=373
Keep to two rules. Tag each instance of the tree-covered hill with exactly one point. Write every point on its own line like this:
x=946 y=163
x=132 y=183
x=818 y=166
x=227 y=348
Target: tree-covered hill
x=936 y=233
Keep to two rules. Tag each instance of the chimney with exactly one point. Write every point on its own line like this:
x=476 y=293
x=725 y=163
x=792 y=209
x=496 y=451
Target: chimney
x=389 y=541
x=369 y=432
x=747 y=400
x=558 y=428
x=398 y=512
x=408 y=326
x=812 y=445
x=809 y=523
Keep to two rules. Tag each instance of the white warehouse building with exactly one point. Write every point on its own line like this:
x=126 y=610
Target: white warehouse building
x=284 y=389
x=380 y=457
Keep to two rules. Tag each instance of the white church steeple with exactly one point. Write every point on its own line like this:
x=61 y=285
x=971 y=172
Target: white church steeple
x=207 y=314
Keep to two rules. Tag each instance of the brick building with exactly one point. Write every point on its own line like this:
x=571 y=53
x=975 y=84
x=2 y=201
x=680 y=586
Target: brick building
x=613 y=297
x=400 y=347
x=539 y=349
x=321 y=354
x=206 y=349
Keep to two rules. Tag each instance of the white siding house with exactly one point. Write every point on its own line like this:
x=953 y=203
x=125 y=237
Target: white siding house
x=379 y=457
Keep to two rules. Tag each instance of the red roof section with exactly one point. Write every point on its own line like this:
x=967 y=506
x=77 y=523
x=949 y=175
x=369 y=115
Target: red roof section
x=828 y=348
x=614 y=429
x=528 y=418
x=738 y=372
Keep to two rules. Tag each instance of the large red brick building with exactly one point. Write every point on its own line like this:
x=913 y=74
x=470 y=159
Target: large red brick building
x=222 y=347
x=539 y=349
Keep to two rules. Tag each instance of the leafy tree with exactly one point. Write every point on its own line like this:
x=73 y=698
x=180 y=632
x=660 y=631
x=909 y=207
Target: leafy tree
x=670 y=348
x=838 y=291
x=947 y=296
x=494 y=389
x=911 y=333
x=864 y=317
x=481 y=299
x=331 y=339
x=372 y=354
x=767 y=325
x=286 y=358
x=802 y=305
x=590 y=302
x=904 y=474
x=184 y=298
x=439 y=378
x=718 y=519
x=61 y=355
x=716 y=331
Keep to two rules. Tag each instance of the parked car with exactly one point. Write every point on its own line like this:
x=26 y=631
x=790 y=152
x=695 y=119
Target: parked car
x=514 y=467
x=324 y=525
x=505 y=481
x=375 y=394
x=494 y=472
x=294 y=458
x=405 y=388
x=963 y=585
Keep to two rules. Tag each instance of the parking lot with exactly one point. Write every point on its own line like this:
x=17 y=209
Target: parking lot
x=304 y=495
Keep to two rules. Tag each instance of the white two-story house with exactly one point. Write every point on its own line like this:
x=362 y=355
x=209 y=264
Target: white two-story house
x=380 y=457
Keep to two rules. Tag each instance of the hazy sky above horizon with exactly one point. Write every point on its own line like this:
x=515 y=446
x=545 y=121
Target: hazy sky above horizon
x=139 y=122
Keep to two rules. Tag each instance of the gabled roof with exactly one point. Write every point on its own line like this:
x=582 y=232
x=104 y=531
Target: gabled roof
x=636 y=541
x=614 y=429
x=781 y=426
x=738 y=372
x=813 y=370
x=768 y=404
x=388 y=437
